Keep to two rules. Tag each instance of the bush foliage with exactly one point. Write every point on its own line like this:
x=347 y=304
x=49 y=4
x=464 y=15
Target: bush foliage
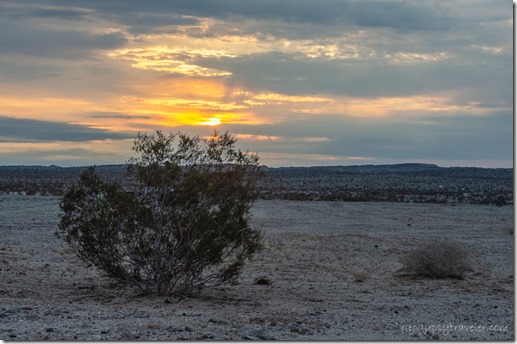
x=181 y=221
x=437 y=259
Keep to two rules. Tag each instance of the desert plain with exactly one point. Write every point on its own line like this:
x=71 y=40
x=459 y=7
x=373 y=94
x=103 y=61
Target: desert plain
x=332 y=270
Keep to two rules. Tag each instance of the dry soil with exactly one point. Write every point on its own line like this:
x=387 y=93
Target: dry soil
x=333 y=267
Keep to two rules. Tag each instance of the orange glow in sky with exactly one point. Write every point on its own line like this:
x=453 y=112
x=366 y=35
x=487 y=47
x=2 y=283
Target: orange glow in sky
x=327 y=83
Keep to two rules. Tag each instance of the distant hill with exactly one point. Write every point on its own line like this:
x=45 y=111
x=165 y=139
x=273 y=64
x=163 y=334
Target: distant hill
x=409 y=167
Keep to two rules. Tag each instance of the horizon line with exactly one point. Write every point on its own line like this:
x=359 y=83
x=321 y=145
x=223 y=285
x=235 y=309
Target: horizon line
x=272 y=167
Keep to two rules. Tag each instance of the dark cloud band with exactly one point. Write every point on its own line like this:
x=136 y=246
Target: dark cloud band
x=31 y=130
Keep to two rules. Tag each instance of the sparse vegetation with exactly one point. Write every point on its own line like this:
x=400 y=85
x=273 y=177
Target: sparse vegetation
x=437 y=259
x=508 y=230
x=180 y=223
x=407 y=183
x=391 y=183
x=360 y=276
x=263 y=280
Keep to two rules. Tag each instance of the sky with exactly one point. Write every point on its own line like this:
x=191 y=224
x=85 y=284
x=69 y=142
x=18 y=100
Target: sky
x=300 y=82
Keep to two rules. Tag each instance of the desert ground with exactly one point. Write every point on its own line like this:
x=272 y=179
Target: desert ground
x=334 y=268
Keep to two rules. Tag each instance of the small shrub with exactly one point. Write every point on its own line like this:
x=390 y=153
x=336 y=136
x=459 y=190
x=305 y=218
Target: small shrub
x=508 y=230
x=184 y=222
x=360 y=276
x=31 y=190
x=263 y=280
x=437 y=259
x=500 y=201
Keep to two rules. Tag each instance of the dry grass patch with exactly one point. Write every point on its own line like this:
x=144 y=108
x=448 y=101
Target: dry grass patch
x=508 y=230
x=360 y=276
x=263 y=280
x=437 y=259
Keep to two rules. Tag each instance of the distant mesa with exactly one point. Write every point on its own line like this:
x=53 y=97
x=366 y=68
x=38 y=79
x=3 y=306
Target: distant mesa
x=405 y=167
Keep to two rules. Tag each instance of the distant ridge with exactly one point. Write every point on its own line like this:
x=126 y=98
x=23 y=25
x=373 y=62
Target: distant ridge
x=399 y=167
x=408 y=167
x=383 y=168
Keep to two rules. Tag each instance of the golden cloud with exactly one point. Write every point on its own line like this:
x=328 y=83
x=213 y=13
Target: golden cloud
x=164 y=59
x=257 y=137
x=387 y=106
x=413 y=58
x=276 y=98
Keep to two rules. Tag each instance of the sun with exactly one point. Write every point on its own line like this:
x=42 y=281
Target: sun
x=212 y=122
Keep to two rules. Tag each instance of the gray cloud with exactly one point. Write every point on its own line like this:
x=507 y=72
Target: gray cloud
x=292 y=74
x=64 y=157
x=61 y=13
x=460 y=137
x=30 y=130
x=399 y=15
x=24 y=37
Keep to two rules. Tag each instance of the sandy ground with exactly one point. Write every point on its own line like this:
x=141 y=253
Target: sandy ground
x=333 y=266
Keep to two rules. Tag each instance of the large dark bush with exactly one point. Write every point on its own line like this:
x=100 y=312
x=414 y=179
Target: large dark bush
x=180 y=222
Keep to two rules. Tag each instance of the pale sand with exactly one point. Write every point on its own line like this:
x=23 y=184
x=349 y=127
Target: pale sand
x=316 y=253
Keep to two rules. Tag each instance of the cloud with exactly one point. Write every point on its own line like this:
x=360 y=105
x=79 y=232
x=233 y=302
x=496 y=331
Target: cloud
x=172 y=61
x=403 y=16
x=66 y=153
x=149 y=22
x=19 y=39
x=339 y=79
x=460 y=137
x=281 y=19
x=115 y=115
x=367 y=13
x=61 y=13
x=31 y=130
x=294 y=74
x=28 y=32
